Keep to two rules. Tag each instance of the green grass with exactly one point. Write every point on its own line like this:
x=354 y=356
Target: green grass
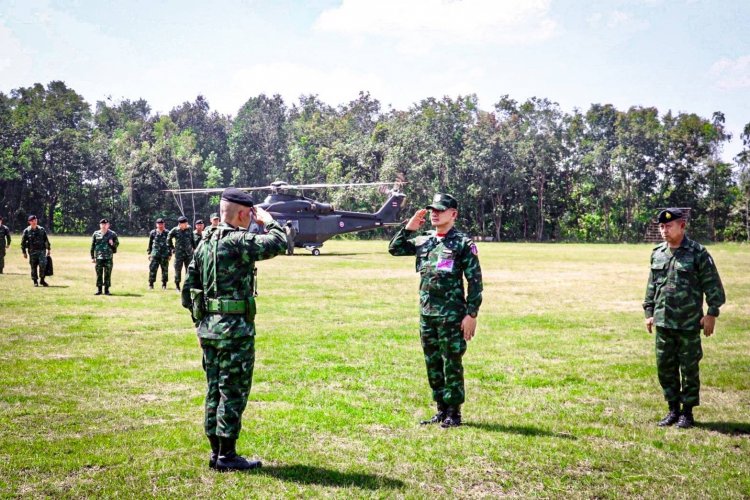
x=102 y=396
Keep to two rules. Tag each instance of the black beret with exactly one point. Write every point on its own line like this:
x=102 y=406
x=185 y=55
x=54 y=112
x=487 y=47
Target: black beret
x=104 y=221
x=234 y=195
x=181 y=219
x=670 y=214
x=32 y=217
x=160 y=221
x=199 y=221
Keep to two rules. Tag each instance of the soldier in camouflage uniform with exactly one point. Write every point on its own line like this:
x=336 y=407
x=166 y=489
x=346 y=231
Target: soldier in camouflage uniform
x=4 y=242
x=682 y=271
x=198 y=233
x=159 y=252
x=448 y=319
x=181 y=240
x=219 y=291
x=104 y=243
x=214 y=220
x=36 y=247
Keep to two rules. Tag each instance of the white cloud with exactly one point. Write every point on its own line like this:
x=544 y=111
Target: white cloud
x=618 y=20
x=15 y=60
x=732 y=74
x=419 y=25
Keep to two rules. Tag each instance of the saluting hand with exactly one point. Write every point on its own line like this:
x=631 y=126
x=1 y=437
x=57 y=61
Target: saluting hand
x=417 y=220
x=649 y=324
x=708 y=323
x=469 y=327
x=262 y=216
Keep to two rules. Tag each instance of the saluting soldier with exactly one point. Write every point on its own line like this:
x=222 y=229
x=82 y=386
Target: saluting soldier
x=682 y=272
x=220 y=292
x=181 y=241
x=159 y=252
x=448 y=318
x=104 y=243
x=198 y=233
x=36 y=247
x=4 y=242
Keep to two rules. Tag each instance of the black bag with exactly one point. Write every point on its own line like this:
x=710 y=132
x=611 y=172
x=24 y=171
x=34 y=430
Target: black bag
x=49 y=269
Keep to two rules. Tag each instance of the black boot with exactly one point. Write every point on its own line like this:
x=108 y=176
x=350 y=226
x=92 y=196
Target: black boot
x=215 y=445
x=106 y=291
x=438 y=417
x=686 y=420
x=150 y=286
x=35 y=283
x=672 y=417
x=229 y=460
x=163 y=286
x=44 y=283
x=177 y=285
x=98 y=290
x=452 y=417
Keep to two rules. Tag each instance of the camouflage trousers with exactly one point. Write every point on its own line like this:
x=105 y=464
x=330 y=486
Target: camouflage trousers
x=229 y=373
x=153 y=267
x=443 y=345
x=104 y=273
x=38 y=260
x=181 y=261
x=2 y=257
x=678 y=353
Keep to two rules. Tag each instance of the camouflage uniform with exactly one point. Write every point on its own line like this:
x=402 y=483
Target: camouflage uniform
x=182 y=243
x=442 y=263
x=4 y=242
x=102 y=251
x=228 y=339
x=35 y=242
x=160 y=249
x=197 y=237
x=674 y=298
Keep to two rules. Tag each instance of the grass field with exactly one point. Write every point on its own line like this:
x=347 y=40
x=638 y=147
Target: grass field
x=102 y=396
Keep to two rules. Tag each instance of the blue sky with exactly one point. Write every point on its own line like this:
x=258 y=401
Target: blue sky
x=679 y=55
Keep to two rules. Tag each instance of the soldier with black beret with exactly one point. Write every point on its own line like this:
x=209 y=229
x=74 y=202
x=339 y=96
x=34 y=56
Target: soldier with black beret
x=159 y=252
x=198 y=233
x=36 y=247
x=104 y=243
x=682 y=272
x=220 y=292
x=181 y=242
x=4 y=242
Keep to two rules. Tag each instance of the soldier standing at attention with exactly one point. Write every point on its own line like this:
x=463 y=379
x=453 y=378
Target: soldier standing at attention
x=291 y=232
x=181 y=241
x=214 y=220
x=220 y=292
x=448 y=319
x=35 y=243
x=198 y=233
x=4 y=242
x=159 y=252
x=682 y=271
x=104 y=245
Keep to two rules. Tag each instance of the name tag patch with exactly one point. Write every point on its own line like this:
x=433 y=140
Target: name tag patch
x=444 y=264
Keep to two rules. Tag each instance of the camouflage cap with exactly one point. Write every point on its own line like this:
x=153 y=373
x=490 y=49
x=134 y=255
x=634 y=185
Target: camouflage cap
x=234 y=195
x=443 y=201
x=182 y=219
x=670 y=214
x=214 y=216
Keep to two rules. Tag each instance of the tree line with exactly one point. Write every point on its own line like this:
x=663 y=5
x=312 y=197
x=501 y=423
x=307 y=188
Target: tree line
x=521 y=170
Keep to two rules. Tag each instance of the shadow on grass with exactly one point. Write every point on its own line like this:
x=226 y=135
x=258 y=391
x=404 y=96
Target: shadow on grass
x=335 y=254
x=126 y=294
x=55 y=286
x=306 y=474
x=13 y=274
x=523 y=430
x=729 y=428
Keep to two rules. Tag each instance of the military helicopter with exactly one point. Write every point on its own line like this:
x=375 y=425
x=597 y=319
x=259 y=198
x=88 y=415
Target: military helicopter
x=318 y=221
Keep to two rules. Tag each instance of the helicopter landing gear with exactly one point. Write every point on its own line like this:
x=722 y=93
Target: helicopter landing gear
x=315 y=250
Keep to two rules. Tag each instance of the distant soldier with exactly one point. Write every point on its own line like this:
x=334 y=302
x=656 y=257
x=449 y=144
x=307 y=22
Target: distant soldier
x=682 y=271
x=212 y=228
x=448 y=319
x=181 y=241
x=219 y=291
x=214 y=220
x=159 y=253
x=4 y=242
x=36 y=247
x=198 y=233
x=291 y=232
x=104 y=243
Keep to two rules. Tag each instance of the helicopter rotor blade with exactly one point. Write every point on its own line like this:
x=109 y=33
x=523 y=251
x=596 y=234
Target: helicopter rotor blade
x=283 y=186
x=216 y=190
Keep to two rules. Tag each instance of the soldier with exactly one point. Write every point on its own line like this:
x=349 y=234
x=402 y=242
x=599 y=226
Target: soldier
x=36 y=247
x=448 y=319
x=4 y=242
x=159 y=252
x=214 y=220
x=682 y=271
x=181 y=242
x=220 y=292
x=291 y=232
x=198 y=233
x=104 y=245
